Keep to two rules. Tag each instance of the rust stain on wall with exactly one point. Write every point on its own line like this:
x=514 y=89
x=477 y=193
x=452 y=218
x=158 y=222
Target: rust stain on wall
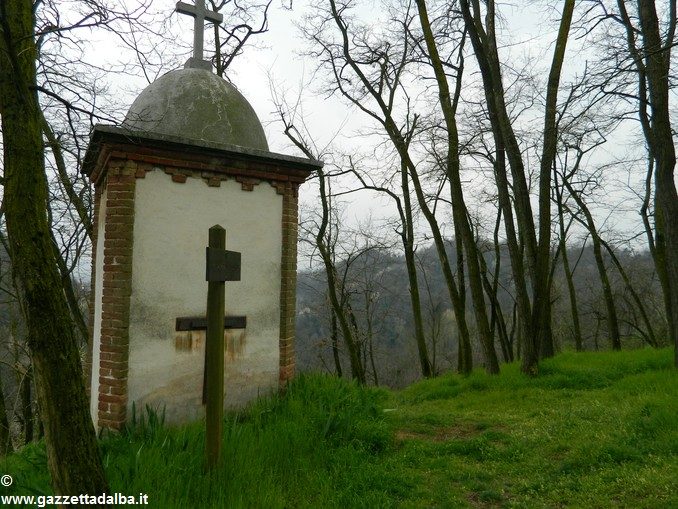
x=194 y=341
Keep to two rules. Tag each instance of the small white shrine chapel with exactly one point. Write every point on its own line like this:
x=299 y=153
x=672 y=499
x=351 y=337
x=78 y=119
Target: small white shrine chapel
x=191 y=153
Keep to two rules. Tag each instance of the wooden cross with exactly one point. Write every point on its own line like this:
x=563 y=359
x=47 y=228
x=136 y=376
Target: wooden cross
x=200 y=14
x=221 y=266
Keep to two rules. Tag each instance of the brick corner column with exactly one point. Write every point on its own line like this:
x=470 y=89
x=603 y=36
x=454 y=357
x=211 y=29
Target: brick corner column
x=117 y=289
x=288 y=274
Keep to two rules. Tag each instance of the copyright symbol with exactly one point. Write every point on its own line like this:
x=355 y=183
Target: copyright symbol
x=6 y=480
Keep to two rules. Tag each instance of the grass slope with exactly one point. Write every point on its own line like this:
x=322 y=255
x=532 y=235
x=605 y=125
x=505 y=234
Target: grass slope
x=592 y=430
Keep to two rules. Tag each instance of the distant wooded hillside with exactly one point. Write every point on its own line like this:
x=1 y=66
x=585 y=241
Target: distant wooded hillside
x=377 y=283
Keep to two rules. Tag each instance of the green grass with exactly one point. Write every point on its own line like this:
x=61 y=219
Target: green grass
x=592 y=430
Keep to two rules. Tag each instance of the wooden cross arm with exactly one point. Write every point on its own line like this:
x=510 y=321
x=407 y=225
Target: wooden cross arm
x=191 y=323
x=194 y=11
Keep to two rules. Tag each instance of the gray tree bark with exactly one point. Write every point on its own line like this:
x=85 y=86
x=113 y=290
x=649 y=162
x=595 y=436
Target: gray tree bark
x=72 y=451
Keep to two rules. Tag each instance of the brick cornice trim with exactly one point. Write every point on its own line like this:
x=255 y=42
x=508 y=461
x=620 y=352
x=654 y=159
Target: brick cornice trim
x=115 y=143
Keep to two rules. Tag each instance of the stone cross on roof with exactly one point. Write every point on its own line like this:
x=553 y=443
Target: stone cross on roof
x=200 y=14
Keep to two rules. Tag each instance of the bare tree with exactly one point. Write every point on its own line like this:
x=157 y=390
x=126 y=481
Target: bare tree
x=73 y=456
x=568 y=272
x=243 y=21
x=448 y=103
x=588 y=222
x=650 y=54
x=337 y=297
x=534 y=312
x=369 y=71
x=648 y=333
x=50 y=99
x=405 y=231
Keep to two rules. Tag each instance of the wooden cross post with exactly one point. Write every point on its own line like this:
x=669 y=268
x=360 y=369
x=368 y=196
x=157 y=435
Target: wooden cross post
x=221 y=266
x=200 y=15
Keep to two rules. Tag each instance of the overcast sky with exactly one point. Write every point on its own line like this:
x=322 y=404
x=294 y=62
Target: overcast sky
x=528 y=33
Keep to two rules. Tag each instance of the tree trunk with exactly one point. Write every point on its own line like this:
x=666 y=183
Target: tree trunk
x=71 y=299
x=5 y=438
x=464 y=350
x=484 y=46
x=657 y=258
x=576 y=324
x=347 y=330
x=657 y=57
x=542 y=288
x=501 y=321
x=415 y=299
x=334 y=333
x=325 y=250
x=404 y=207
x=459 y=210
x=465 y=361
x=547 y=347
x=370 y=337
x=612 y=321
x=73 y=456
x=523 y=308
x=536 y=323
x=497 y=322
x=566 y=265
x=27 y=406
x=651 y=336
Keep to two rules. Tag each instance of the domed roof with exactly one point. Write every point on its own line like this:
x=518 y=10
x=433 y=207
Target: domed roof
x=196 y=104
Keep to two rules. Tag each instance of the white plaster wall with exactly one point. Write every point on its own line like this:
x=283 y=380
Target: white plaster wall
x=98 y=294
x=171 y=226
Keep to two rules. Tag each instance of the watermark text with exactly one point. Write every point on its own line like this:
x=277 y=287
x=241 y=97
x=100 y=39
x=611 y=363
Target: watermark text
x=50 y=500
